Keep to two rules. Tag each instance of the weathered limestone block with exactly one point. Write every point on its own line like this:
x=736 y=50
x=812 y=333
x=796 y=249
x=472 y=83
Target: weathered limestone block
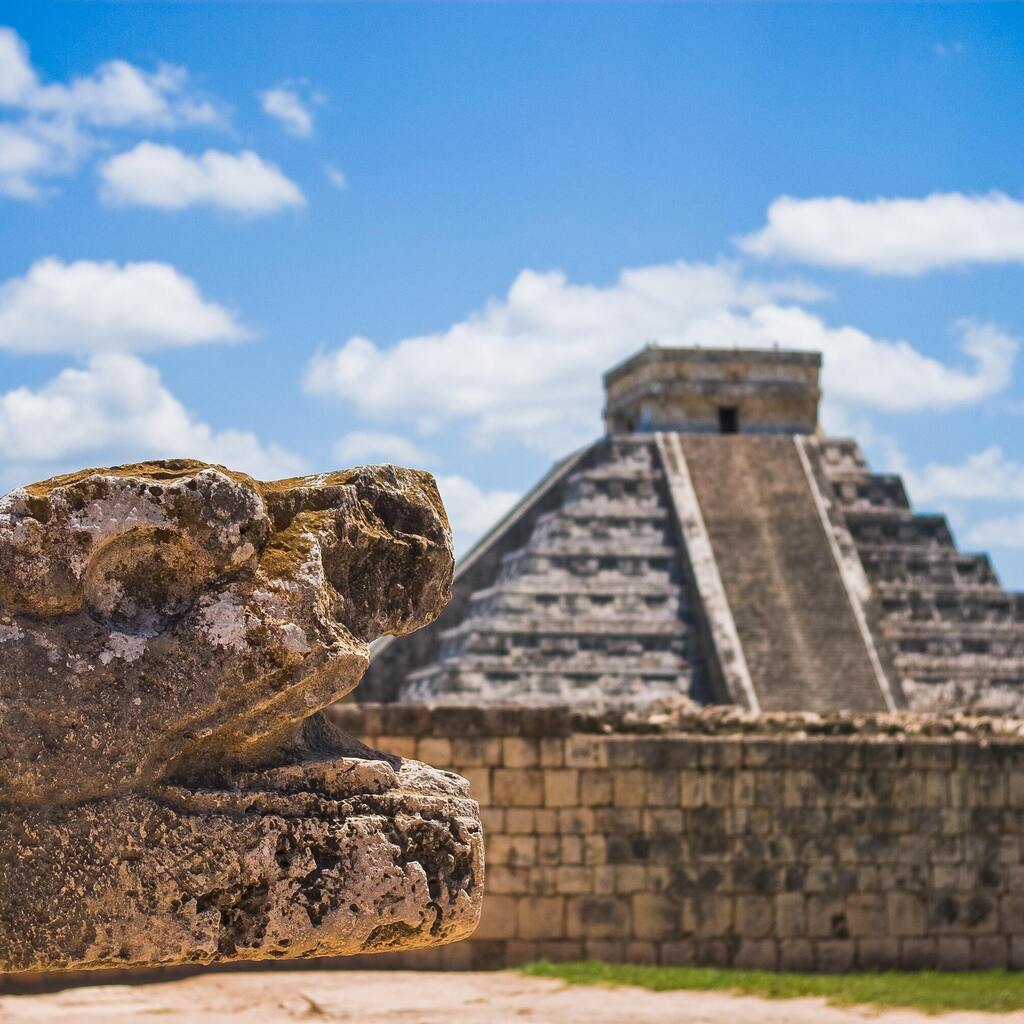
x=170 y=793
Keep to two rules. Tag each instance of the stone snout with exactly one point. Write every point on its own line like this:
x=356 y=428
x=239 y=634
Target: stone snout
x=169 y=633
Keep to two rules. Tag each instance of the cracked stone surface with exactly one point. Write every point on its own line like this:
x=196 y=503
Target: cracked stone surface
x=171 y=794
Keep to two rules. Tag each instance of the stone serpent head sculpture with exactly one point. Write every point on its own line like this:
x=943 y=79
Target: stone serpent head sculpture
x=170 y=792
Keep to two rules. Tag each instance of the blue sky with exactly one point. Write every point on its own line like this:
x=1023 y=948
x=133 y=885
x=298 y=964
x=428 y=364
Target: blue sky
x=294 y=236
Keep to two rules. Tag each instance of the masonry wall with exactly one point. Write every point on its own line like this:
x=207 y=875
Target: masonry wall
x=792 y=841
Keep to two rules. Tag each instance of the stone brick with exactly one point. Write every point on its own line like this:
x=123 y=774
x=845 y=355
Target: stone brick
x=595 y=787
x=628 y=787
x=641 y=952
x=586 y=752
x=617 y=820
x=630 y=878
x=519 y=952
x=512 y=851
x=744 y=791
x=796 y=955
x=707 y=916
x=517 y=752
x=678 y=953
x=493 y=819
x=545 y=821
x=761 y=753
x=549 y=850
x=600 y=949
x=692 y=789
x=624 y=751
x=595 y=850
x=541 y=917
x=754 y=917
x=552 y=752
x=866 y=915
x=662 y=788
x=664 y=820
x=1011 y=914
x=517 y=787
x=544 y=880
x=718 y=789
x=989 y=951
x=953 y=953
x=479 y=783
x=520 y=820
x=455 y=957
x=476 y=751
x=790 y=915
x=575 y=880
x=918 y=954
x=719 y=753
x=578 y=821
x=717 y=952
x=826 y=917
x=560 y=952
x=878 y=954
x=757 y=954
x=835 y=956
x=1015 y=789
x=561 y=787
x=654 y=916
x=503 y=879
x=498 y=920
x=435 y=750
x=905 y=912
x=768 y=788
x=571 y=849
x=596 y=917
x=402 y=746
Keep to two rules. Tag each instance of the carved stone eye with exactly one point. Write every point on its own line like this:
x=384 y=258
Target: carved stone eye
x=142 y=579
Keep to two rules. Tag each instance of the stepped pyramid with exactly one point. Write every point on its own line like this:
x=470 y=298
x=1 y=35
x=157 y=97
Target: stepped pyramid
x=715 y=545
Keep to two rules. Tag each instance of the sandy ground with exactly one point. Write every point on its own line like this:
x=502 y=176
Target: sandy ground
x=406 y=997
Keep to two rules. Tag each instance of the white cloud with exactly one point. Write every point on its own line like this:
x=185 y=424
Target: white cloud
x=116 y=409
x=166 y=178
x=17 y=79
x=89 y=306
x=53 y=126
x=1005 y=532
x=367 y=446
x=336 y=176
x=117 y=94
x=471 y=510
x=893 y=236
x=284 y=104
x=22 y=158
x=985 y=476
x=529 y=365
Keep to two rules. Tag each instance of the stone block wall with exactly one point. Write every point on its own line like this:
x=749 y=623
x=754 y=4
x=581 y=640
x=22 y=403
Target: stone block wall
x=791 y=841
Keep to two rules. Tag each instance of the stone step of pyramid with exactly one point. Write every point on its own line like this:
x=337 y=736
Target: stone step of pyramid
x=801 y=640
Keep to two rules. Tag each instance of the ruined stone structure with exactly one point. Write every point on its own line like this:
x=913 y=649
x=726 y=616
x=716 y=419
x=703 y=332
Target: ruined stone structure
x=716 y=547
x=789 y=840
x=170 y=791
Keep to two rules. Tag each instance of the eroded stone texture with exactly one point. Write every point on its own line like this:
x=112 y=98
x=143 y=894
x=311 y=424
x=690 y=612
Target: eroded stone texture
x=168 y=635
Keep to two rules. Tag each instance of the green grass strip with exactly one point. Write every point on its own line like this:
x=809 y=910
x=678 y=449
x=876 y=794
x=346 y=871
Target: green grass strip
x=927 y=991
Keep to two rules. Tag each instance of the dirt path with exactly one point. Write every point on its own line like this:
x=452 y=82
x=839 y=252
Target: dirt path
x=406 y=997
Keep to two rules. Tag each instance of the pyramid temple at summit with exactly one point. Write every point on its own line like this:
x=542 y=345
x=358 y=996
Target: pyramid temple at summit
x=716 y=545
